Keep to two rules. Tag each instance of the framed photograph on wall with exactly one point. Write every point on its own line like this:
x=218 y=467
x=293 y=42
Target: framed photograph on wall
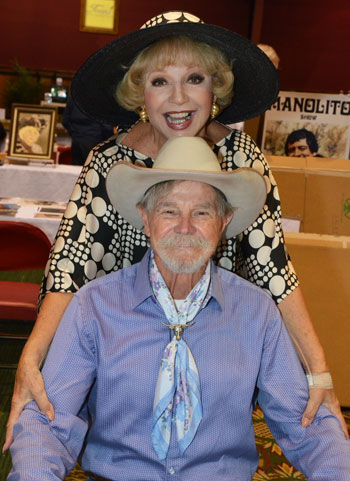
x=99 y=17
x=32 y=132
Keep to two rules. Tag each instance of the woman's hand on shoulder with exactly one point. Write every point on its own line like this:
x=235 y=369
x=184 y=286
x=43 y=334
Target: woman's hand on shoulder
x=328 y=398
x=29 y=385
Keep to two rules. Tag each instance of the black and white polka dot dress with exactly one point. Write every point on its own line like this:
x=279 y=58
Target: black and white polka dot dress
x=94 y=240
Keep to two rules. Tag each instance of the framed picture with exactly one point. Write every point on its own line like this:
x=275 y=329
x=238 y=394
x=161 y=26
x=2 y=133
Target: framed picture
x=32 y=132
x=99 y=17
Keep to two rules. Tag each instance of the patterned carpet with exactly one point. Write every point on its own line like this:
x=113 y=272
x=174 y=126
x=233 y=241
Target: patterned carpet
x=272 y=465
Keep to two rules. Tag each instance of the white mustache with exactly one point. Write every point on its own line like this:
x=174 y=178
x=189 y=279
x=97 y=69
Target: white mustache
x=179 y=240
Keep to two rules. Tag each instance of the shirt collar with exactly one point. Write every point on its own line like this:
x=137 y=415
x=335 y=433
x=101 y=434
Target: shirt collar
x=215 y=289
x=143 y=289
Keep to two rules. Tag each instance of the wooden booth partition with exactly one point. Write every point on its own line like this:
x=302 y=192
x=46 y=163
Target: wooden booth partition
x=322 y=263
x=314 y=191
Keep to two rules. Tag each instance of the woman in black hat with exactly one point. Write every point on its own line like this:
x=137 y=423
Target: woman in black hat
x=176 y=74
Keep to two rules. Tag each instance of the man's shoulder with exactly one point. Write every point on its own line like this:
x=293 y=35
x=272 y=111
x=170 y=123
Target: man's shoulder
x=231 y=280
x=250 y=305
x=110 y=280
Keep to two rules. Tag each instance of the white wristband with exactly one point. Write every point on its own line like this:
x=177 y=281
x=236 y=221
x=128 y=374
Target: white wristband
x=321 y=380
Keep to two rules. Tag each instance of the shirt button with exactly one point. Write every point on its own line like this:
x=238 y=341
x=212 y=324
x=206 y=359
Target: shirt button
x=171 y=470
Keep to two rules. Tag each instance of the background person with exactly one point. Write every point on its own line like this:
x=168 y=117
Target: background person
x=177 y=74
x=301 y=143
x=85 y=132
x=192 y=417
x=254 y=127
x=271 y=53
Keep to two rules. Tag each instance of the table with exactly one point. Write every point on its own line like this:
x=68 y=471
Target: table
x=47 y=183
x=45 y=215
x=53 y=183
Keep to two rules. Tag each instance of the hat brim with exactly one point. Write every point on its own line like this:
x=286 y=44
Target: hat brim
x=256 y=82
x=244 y=189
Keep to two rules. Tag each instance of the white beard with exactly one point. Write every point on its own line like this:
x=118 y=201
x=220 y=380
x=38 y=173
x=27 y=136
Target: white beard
x=184 y=264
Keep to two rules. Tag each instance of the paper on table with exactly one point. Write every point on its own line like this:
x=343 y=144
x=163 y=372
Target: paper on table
x=9 y=206
x=30 y=208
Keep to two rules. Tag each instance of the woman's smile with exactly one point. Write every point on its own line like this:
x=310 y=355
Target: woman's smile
x=179 y=120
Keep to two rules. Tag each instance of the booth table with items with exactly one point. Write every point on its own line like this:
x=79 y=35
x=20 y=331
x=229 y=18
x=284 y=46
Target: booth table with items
x=53 y=183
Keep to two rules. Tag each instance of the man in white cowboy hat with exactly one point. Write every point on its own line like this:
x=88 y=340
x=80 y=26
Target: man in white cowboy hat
x=155 y=369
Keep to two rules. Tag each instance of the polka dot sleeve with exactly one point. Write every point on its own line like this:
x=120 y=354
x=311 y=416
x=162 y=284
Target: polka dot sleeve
x=259 y=254
x=93 y=239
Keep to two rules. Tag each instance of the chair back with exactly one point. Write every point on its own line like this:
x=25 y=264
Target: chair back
x=22 y=246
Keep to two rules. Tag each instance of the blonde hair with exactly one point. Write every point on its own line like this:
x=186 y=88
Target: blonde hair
x=171 y=51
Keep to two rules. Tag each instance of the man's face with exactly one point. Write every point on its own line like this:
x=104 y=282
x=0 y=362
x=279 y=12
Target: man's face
x=184 y=227
x=300 y=148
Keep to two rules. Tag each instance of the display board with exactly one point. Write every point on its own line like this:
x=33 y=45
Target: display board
x=324 y=117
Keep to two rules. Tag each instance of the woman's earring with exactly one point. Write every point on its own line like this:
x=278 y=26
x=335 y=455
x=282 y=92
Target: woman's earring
x=215 y=109
x=143 y=114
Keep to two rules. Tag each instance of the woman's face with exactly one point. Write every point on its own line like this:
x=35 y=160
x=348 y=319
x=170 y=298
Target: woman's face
x=178 y=101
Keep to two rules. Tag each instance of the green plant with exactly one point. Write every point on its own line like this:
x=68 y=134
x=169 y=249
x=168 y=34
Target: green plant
x=24 y=89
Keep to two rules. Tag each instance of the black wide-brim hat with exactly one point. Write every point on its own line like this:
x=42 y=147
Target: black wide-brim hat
x=256 y=81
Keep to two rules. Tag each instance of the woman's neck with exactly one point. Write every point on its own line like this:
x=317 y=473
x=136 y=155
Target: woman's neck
x=143 y=138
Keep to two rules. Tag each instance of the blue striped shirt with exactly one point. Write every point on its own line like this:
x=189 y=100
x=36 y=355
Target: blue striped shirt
x=101 y=373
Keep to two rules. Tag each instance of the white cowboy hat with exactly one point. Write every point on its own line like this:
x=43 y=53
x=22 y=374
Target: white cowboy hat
x=187 y=158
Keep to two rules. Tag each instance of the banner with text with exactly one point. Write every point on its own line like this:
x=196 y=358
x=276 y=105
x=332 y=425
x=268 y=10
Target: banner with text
x=324 y=117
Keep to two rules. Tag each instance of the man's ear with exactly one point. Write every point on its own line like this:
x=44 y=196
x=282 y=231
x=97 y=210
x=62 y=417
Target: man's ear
x=228 y=219
x=144 y=216
x=225 y=221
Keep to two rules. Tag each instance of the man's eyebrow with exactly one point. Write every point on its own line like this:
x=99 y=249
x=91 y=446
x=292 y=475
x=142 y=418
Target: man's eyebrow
x=205 y=205
x=165 y=203
x=168 y=203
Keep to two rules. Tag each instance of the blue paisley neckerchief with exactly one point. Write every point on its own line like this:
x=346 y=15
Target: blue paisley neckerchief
x=178 y=376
